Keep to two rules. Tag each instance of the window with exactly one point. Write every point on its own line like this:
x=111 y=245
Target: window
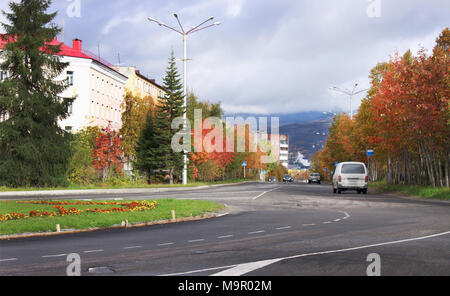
x=69 y=77
x=70 y=108
x=353 y=169
x=3 y=75
x=68 y=128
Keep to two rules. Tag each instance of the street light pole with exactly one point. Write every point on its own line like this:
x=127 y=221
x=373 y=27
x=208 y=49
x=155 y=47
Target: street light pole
x=185 y=35
x=349 y=93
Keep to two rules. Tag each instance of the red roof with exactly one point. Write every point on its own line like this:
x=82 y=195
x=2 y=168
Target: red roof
x=74 y=51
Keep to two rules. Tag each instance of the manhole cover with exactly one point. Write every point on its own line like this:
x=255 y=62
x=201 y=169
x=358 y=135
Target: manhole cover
x=101 y=269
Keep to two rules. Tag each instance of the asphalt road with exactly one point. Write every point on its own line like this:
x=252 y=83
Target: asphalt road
x=269 y=229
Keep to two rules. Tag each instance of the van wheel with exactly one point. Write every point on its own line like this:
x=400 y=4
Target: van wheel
x=365 y=191
x=339 y=191
x=359 y=191
x=334 y=190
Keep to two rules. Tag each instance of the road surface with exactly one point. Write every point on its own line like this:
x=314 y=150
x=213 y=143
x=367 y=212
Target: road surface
x=270 y=229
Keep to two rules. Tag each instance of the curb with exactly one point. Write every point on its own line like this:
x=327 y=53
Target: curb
x=159 y=222
x=107 y=191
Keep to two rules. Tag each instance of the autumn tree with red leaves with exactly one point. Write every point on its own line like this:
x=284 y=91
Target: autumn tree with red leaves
x=107 y=153
x=405 y=119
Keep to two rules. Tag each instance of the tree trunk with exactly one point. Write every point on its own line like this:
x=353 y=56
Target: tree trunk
x=446 y=170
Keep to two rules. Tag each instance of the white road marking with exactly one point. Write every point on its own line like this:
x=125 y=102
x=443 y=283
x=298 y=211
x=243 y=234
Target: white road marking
x=50 y=256
x=241 y=269
x=256 y=197
x=285 y=227
x=255 y=232
x=327 y=222
x=196 y=240
x=337 y=220
x=225 y=236
x=9 y=259
x=165 y=244
x=245 y=268
x=118 y=198
x=93 y=251
x=133 y=247
x=198 y=270
x=312 y=224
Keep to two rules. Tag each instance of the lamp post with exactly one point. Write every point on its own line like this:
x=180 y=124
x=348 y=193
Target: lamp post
x=185 y=34
x=349 y=93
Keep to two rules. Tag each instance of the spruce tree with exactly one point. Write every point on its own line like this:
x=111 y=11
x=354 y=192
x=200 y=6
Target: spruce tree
x=154 y=151
x=34 y=150
x=147 y=148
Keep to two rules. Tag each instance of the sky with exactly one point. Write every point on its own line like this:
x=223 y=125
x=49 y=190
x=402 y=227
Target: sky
x=266 y=56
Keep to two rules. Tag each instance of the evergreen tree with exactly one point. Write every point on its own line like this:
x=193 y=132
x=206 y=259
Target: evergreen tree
x=34 y=150
x=154 y=150
x=147 y=148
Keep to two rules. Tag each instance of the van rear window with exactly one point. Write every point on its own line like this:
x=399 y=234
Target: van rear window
x=353 y=169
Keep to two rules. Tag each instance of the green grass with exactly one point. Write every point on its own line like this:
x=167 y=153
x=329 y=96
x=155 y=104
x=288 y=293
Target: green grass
x=183 y=208
x=413 y=190
x=123 y=186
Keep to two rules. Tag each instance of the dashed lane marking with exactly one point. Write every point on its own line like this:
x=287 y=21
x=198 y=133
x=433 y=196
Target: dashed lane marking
x=93 y=251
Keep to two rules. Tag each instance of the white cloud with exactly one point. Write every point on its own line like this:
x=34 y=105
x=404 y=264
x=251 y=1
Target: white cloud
x=120 y=20
x=234 y=7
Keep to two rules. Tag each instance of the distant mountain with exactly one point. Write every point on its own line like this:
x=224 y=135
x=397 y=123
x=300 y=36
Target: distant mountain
x=285 y=119
x=306 y=137
x=307 y=132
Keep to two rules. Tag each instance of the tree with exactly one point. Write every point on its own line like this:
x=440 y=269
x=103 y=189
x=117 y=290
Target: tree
x=107 y=152
x=208 y=109
x=405 y=119
x=134 y=115
x=81 y=170
x=159 y=132
x=34 y=150
x=147 y=158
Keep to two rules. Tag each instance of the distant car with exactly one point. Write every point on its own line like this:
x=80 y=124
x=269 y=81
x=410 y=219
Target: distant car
x=350 y=176
x=288 y=178
x=273 y=179
x=314 y=178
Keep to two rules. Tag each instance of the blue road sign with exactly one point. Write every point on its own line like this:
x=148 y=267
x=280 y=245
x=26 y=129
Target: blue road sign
x=264 y=172
x=370 y=152
x=324 y=169
x=336 y=163
x=244 y=163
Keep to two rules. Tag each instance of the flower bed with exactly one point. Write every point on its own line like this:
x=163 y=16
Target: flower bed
x=132 y=206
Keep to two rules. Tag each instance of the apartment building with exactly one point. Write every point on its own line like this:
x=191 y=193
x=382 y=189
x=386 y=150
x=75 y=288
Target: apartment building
x=283 y=149
x=140 y=85
x=95 y=83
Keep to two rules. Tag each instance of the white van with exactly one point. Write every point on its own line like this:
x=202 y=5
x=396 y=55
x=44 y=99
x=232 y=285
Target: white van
x=350 y=176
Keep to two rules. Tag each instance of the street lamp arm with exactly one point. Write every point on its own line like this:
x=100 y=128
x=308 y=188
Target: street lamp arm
x=358 y=92
x=335 y=88
x=195 y=28
x=179 y=23
x=164 y=25
x=199 y=29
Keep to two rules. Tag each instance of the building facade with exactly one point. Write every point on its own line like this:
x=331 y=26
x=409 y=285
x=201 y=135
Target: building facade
x=140 y=85
x=97 y=86
x=283 y=148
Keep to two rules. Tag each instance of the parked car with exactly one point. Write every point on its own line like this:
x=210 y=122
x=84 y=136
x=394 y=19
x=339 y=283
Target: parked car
x=314 y=178
x=350 y=176
x=273 y=179
x=288 y=178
